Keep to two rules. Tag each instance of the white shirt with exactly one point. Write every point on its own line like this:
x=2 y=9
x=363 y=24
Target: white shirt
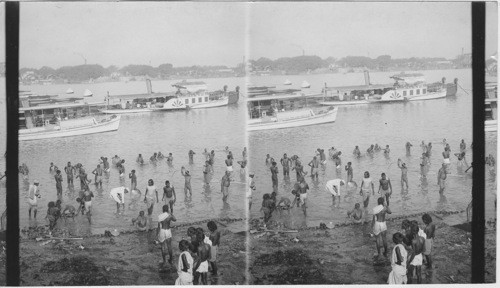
x=333 y=183
x=118 y=193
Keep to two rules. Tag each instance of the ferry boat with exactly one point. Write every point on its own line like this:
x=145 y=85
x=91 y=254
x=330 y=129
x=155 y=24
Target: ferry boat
x=491 y=112
x=140 y=103
x=63 y=120
x=195 y=95
x=407 y=87
x=285 y=111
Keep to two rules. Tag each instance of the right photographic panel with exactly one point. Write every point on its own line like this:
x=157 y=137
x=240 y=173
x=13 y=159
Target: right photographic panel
x=360 y=142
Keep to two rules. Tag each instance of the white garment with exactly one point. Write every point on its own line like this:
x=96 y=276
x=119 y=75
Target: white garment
x=398 y=273
x=185 y=278
x=334 y=183
x=118 y=194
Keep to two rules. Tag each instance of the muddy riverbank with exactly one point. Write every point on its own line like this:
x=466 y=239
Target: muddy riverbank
x=131 y=258
x=346 y=254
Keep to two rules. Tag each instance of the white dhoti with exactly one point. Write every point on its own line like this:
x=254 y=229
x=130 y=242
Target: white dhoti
x=397 y=275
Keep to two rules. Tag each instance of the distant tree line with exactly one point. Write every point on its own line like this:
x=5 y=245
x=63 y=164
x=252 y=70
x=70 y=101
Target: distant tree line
x=87 y=72
x=305 y=63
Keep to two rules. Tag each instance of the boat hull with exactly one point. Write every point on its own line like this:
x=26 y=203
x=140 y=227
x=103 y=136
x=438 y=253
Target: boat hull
x=323 y=118
x=58 y=132
x=434 y=95
x=490 y=125
x=343 y=103
x=211 y=104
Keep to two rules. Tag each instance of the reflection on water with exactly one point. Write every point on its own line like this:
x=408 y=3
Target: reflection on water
x=383 y=124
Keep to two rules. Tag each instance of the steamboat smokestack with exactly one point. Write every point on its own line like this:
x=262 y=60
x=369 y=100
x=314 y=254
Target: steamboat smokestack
x=148 y=86
x=367 y=78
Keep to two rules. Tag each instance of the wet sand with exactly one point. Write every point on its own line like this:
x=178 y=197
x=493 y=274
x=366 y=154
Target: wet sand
x=131 y=258
x=346 y=254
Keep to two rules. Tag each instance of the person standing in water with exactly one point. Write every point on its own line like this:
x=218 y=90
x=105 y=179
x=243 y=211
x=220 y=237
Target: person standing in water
x=164 y=234
x=148 y=197
x=314 y=164
x=187 y=181
x=59 y=179
x=404 y=173
x=366 y=187
x=98 y=176
x=348 y=168
x=70 y=170
x=441 y=178
x=33 y=196
x=224 y=184
x=229 y=164
x=169 y=195
x=286 y=162
x=386 y=188
x=133 y=180
x=190 y=155
x=408 y=148
x=274 y=176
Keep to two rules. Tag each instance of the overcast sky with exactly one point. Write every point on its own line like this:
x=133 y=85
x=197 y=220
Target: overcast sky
x=187 y=33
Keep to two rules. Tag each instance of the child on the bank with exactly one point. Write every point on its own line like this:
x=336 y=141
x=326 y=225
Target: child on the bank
x=215 y=238
x=398 y=261
x=52 y=213
x=185 y=265
x=266 y=207
x=429 y=230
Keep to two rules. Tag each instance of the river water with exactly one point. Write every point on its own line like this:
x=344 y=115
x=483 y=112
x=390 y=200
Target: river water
x=385 y=124
x=177 y=132
x=169 y=132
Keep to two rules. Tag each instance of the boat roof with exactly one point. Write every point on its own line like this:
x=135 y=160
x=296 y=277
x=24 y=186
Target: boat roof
x=141 y=96
x=282 y=97
x=61 y=105
x=361 y=87
x=186 y=83
x=403 y=75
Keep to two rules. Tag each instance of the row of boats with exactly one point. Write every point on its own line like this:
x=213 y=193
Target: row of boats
x=268 y=108
x=49 y=116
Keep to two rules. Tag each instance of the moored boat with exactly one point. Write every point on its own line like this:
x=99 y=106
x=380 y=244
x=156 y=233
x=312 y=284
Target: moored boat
x=407 y=87
x=63 y=120
x=195 y=95
x=287 y=82
x=305 y=84
x=70 y=91
x=285 y=111
x=87 y=93
x=141 y=103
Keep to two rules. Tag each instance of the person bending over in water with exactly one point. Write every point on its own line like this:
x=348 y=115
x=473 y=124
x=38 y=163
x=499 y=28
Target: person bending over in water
x=284 y=204
x=404 y=174
x=461 y=159
x=356 y=214
x=379 y=226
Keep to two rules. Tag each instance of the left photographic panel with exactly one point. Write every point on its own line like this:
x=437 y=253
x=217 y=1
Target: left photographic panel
x=3 y=149
x=131 y=144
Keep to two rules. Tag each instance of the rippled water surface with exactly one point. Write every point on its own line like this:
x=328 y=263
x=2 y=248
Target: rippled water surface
x=385 y=124
x=169 y=132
